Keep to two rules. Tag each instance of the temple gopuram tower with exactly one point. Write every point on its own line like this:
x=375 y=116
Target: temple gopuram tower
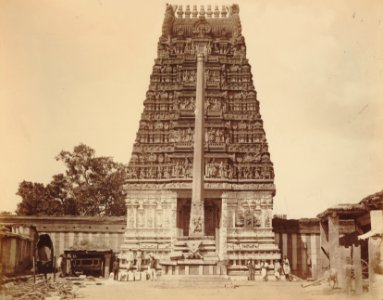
x=200 y=180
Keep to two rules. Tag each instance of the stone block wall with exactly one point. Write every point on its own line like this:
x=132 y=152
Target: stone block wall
x=295 y=238
x=17 y=244
x=68 y=231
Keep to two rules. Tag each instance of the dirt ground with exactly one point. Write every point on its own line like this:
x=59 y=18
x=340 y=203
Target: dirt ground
x=114 y=290
x=107 y=289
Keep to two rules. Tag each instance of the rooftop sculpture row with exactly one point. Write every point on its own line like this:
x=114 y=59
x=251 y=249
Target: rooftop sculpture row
x=209 y=13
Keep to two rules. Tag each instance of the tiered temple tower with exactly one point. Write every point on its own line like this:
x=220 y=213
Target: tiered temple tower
x=200 y=181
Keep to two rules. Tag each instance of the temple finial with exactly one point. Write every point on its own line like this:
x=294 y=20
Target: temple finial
x=209 y=12
x=180 y=11
x=202 y=11
x=216 y=12
x=195 y=11
x=234 y=9
x=223 y=11
x=168 y=20
x=187 y=12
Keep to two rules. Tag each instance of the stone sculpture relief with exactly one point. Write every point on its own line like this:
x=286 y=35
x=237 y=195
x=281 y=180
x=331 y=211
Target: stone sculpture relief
x=233 y=124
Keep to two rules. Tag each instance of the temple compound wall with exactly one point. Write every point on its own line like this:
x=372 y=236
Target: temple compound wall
x=302 y=240
x=311 y=245
x=69 y=232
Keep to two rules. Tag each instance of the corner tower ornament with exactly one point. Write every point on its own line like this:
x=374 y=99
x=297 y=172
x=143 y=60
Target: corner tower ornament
x=200 y=171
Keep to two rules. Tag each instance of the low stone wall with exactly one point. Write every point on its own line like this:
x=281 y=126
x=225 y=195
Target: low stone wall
x=66 y=232
x=297 y=239
x=17 y=243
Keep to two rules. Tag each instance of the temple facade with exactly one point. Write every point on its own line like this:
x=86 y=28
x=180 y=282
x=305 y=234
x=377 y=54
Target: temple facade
x=200 y=181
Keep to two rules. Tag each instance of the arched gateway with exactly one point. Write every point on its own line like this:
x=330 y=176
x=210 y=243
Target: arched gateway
x=200 y=187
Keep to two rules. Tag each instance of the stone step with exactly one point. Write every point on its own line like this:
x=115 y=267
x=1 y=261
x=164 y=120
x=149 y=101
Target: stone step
x=201 y=248
x=195 y=278
x=198 y=281
x=189 y=262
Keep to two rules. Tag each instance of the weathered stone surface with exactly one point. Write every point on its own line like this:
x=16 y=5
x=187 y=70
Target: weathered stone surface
x=201 y=139
x=236 y=149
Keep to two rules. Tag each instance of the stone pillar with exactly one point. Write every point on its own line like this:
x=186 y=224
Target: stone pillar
x=333 y=239
x=223 y=228
x=197 y=220
x=107 y=265
x=12 y=251
x=356 y=260
x=333 y=247
x=323 y=246
x=172 y=200
x=315 y=256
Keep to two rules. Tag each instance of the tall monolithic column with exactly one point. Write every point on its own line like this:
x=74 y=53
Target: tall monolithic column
x=197 y=220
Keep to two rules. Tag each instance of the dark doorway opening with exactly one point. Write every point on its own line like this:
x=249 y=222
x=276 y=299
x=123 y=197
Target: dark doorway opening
x=183 y=216
x=44 y=255
x=212 y=216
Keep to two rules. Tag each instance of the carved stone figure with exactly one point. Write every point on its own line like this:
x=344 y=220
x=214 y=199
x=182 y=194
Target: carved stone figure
x=197 y=222
x=168 y=21
x=194 y=250
x=221 y=170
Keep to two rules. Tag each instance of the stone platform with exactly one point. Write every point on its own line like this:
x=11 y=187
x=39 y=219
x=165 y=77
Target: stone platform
x=192 y=268
x=193 y=281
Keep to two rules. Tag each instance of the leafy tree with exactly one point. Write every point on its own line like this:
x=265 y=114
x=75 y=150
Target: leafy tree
x=59 y=189
x=96 y=183
x=36 y=200
x=90 y=186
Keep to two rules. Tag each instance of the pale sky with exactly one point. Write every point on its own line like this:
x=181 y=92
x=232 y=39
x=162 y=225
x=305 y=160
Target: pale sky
x=75 y=71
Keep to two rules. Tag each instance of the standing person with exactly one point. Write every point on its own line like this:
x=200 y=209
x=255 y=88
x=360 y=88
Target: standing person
x=59 y=263
x=130 y=260
x=45 y=260
x=264 y=266
x=286 y=268
x=138 y=260
x=116 y=267
x=152 y=267
x=72 y=266
x=349 y=276
x=251 y=269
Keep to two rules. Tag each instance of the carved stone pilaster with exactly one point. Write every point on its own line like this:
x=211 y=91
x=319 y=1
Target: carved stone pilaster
x=224 y=224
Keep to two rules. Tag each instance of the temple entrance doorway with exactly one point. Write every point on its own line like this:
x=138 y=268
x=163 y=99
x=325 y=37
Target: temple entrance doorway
x=183 y=216
x=212 y=216
x=212 y=212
